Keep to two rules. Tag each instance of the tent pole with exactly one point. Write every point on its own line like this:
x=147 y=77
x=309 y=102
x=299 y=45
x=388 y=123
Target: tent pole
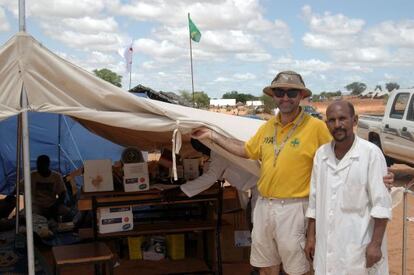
x=27 y=185
x=26 y=161
x=59 y=137
x=22 y=16
x=18 y=168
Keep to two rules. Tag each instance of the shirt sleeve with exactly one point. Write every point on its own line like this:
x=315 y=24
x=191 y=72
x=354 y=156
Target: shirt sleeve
x=378 y=194
x=311 y=211
x=205 y=181
x=253 y=145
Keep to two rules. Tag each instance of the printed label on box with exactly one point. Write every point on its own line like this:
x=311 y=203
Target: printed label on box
x=114 y=219
x=136 y=177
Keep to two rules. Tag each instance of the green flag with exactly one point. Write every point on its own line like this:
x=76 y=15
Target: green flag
x=195 y=34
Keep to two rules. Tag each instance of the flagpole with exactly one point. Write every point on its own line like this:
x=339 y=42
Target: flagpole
x=191 y=61
x=130 y=72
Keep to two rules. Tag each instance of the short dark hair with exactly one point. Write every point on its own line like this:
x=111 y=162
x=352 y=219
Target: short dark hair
x=349 y=104
x=43 y=159
x=351 y=107
x=199 y=147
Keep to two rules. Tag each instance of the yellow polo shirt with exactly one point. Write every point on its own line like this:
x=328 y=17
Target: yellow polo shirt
x=289 y=176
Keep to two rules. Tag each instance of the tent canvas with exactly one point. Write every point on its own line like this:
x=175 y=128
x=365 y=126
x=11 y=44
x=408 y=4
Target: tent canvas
x=54 y=85
x=64 y=140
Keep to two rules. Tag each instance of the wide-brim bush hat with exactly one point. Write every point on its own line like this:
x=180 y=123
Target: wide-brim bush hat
x=287 y=79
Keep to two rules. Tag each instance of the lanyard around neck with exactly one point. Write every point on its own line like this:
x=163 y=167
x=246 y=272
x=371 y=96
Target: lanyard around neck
x=278 y=149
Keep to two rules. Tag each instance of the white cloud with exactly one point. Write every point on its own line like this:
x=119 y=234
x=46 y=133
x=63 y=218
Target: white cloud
x=164 y=50
x=392 y=33
x=321 y=41
x=228 y=27
x=327 y=23
x=363 y=55
x=4 y=23
x=301 y=66
x=64 y=8
x=245 y=76
x=90 y=25
x=254 y=57
x=88 y=42
x=222 y=79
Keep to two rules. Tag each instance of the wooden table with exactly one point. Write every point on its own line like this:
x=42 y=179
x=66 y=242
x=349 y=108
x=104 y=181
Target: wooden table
x=211 y=199
x=95 y=253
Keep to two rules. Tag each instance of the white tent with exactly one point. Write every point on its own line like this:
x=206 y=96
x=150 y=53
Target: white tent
x=55 y=85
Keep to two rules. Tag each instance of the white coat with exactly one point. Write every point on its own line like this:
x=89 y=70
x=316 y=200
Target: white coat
x=344 y=199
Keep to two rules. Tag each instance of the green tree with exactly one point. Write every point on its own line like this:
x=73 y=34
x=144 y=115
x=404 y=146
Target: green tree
x=269 y=103
x=201 y=99
x=379 y=87
x=109 y=76
x=391 y=86
x=240 y=97
x=356 y=88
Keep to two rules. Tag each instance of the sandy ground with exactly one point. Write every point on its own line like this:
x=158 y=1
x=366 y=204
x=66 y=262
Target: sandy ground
x=362 y=106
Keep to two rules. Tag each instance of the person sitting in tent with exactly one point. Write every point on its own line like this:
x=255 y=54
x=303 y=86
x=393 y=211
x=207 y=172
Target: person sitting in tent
x=48 y=191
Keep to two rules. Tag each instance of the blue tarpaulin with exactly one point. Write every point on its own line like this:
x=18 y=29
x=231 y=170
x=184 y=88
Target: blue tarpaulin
x=65 y=141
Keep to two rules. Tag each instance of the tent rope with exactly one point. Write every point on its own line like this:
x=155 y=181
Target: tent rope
x=176 y=146
x=68 y=157
x=73 y=141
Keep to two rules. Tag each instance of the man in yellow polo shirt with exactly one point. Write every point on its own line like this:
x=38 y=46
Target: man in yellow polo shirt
x=285 y=145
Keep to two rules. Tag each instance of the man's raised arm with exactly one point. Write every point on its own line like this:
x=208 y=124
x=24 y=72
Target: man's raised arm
x=234 y=146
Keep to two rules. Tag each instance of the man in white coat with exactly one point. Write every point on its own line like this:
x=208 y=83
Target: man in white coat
x=349 y=206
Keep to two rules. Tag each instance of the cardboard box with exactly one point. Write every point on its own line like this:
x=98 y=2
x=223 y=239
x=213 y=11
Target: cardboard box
x=97 y=175
x=115 y=219
x=136 y=177
x=191 y=168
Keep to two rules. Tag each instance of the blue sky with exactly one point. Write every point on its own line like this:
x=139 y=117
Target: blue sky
x=244 y=43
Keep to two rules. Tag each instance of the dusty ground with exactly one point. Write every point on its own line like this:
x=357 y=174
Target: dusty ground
x=362 y=106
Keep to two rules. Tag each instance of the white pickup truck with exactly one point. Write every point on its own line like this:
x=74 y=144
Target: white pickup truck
x=394 y=132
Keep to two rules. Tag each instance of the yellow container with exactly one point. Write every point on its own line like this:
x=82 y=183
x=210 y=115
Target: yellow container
x=176 y=246
x=134 y=247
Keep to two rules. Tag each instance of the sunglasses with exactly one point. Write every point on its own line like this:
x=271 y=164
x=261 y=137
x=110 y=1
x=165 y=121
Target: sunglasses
x=291 y=93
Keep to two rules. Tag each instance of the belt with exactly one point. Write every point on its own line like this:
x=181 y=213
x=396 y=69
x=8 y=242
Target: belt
x=285 y=200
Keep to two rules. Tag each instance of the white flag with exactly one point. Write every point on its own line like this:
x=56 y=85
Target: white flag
x=128 y=57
